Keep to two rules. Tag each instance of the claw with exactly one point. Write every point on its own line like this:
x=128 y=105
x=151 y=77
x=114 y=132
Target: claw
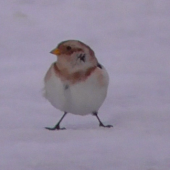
x=108 y=126
x=55 y=128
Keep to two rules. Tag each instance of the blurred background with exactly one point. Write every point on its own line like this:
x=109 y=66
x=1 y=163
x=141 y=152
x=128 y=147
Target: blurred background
x=130 y=38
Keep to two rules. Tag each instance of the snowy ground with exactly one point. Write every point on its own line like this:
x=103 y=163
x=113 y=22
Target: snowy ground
x=132 y=39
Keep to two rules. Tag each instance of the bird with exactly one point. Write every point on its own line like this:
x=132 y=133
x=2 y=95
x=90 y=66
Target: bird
x=76 y=83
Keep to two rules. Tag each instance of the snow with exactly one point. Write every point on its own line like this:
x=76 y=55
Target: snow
x=131 y=39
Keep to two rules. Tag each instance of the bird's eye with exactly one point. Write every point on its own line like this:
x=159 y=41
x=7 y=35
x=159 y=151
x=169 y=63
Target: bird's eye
x=68 y=48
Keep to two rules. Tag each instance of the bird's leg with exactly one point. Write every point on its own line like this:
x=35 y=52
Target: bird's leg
x=57 y=126
x=100 y=123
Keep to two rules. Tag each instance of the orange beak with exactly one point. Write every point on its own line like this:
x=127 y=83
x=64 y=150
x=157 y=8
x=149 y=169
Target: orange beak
x=56 y=51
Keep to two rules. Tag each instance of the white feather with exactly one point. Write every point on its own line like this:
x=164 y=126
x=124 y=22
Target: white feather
x=81 y=98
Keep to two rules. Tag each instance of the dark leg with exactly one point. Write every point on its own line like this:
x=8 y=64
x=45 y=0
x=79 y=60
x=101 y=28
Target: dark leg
x=57 y=126
x=100 y=123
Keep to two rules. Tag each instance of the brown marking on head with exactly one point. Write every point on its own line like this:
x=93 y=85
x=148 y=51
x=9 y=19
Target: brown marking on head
x=91 y=52
x=68 y=47
x=75 y=77
x=67 y=50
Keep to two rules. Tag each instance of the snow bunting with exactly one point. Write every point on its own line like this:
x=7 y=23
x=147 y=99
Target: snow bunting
x=76 y=83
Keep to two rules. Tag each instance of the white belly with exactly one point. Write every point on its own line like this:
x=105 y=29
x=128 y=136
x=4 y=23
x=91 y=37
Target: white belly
x=81 y=98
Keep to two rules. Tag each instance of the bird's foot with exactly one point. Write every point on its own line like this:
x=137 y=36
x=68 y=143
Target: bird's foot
x=55 y=128
x=107 y=126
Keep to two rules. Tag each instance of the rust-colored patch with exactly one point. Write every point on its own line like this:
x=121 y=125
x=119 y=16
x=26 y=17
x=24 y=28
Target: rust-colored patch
x=64 y=75
x=100 y=76
x=63 y=49
x=90 y=50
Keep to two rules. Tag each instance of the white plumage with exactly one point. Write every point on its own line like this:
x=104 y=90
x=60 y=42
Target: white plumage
x=76 y=83
x=82 y=98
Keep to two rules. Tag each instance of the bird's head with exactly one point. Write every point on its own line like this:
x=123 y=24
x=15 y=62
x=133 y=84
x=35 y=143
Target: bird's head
x=74 y=56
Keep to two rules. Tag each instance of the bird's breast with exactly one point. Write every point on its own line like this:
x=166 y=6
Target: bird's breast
x=81 y=96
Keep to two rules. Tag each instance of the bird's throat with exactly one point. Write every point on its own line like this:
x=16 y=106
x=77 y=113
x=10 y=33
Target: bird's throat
x=74 y=77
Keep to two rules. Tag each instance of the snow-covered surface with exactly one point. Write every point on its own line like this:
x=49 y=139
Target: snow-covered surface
x=132 y=39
